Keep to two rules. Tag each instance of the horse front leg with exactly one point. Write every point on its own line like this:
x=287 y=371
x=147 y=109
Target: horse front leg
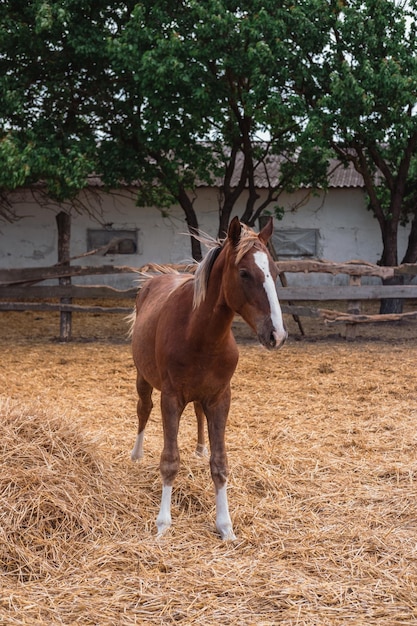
x=216 y=420
x=170 y=458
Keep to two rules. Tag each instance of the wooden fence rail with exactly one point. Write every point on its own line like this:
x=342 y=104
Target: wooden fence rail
x=20 y=291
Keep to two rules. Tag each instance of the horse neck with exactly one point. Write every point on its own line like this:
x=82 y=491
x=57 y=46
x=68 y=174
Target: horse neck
x=213 y=315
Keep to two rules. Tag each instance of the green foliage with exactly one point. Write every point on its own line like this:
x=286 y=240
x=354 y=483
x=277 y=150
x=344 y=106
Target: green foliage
x=362 y=99
x=14 y=168
x=52 y=64
x=179 y=94
x=212 y=77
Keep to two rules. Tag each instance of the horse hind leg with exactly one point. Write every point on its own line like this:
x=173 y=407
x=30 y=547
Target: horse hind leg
x=201 y=449
x=144 y=408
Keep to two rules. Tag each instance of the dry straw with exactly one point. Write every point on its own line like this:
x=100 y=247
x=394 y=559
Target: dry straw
x=322 y=443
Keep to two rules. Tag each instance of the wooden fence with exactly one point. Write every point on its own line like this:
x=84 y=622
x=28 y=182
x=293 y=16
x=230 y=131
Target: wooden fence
x=20 y=290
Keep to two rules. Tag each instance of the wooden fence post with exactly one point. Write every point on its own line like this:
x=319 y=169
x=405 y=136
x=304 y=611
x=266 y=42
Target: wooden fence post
x=353 y=308
x=63 y=221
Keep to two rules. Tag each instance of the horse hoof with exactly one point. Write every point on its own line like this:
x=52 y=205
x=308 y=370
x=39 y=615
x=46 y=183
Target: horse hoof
x=227 y=534
x=162 y=528
x=201 y=451
x=137 y=450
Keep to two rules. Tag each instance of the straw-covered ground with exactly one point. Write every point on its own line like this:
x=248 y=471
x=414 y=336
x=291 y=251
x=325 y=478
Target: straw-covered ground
x=322 y=442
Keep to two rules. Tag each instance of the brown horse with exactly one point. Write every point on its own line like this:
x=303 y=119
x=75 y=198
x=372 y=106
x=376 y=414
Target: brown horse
x=183 y=345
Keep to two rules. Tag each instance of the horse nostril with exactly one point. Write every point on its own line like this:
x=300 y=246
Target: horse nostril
x=271 y=339
x=281 y=342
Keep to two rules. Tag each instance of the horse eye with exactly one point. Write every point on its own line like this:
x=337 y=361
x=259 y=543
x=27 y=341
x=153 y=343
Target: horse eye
x=244 y=274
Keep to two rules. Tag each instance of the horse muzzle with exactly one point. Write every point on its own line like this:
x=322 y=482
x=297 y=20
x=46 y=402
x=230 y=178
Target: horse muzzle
x=272 y=339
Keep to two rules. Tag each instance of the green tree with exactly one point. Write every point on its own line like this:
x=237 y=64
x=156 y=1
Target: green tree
x=54 y=90
x=206 y=80
x=362 y=98
x=177 y=94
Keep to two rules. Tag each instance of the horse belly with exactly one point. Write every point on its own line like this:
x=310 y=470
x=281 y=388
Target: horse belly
x=143 y=351
x=191 y=373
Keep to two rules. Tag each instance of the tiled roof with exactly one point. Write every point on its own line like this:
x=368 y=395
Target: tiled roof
x=339 y=176
x=345 y=177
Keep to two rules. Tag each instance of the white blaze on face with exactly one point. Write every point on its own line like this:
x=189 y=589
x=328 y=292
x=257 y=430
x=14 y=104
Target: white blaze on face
x=261 y=260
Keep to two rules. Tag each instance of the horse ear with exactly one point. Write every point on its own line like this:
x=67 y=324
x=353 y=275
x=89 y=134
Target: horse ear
x=235 y=229
x=267 y=231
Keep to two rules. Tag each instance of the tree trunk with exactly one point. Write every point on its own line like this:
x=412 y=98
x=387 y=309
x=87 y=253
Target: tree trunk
x=192 y=223
x=411 y=252
x=392 y=305
x=63 y=221
x=390 y=258
x=225 y=212
x=395 y=305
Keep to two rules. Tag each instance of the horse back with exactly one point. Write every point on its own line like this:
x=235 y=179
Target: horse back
x=156 y=291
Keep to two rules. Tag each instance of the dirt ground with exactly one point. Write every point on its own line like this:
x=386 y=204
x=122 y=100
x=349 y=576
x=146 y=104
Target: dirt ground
x=322 y=443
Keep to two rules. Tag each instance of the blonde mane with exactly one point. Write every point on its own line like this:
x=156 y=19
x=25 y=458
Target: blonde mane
x=248 y=240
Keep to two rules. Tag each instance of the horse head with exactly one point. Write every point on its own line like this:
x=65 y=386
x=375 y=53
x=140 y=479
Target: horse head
x=250 y=283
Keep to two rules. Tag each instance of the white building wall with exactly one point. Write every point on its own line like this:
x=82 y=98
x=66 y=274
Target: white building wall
x=347 y=230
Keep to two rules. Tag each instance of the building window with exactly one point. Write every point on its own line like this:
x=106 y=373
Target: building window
x=112 y=241
x=296 y=242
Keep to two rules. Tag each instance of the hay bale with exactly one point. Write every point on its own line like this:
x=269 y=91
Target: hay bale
x=51 y=485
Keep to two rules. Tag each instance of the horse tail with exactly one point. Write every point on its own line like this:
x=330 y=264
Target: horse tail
x=130 y=320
